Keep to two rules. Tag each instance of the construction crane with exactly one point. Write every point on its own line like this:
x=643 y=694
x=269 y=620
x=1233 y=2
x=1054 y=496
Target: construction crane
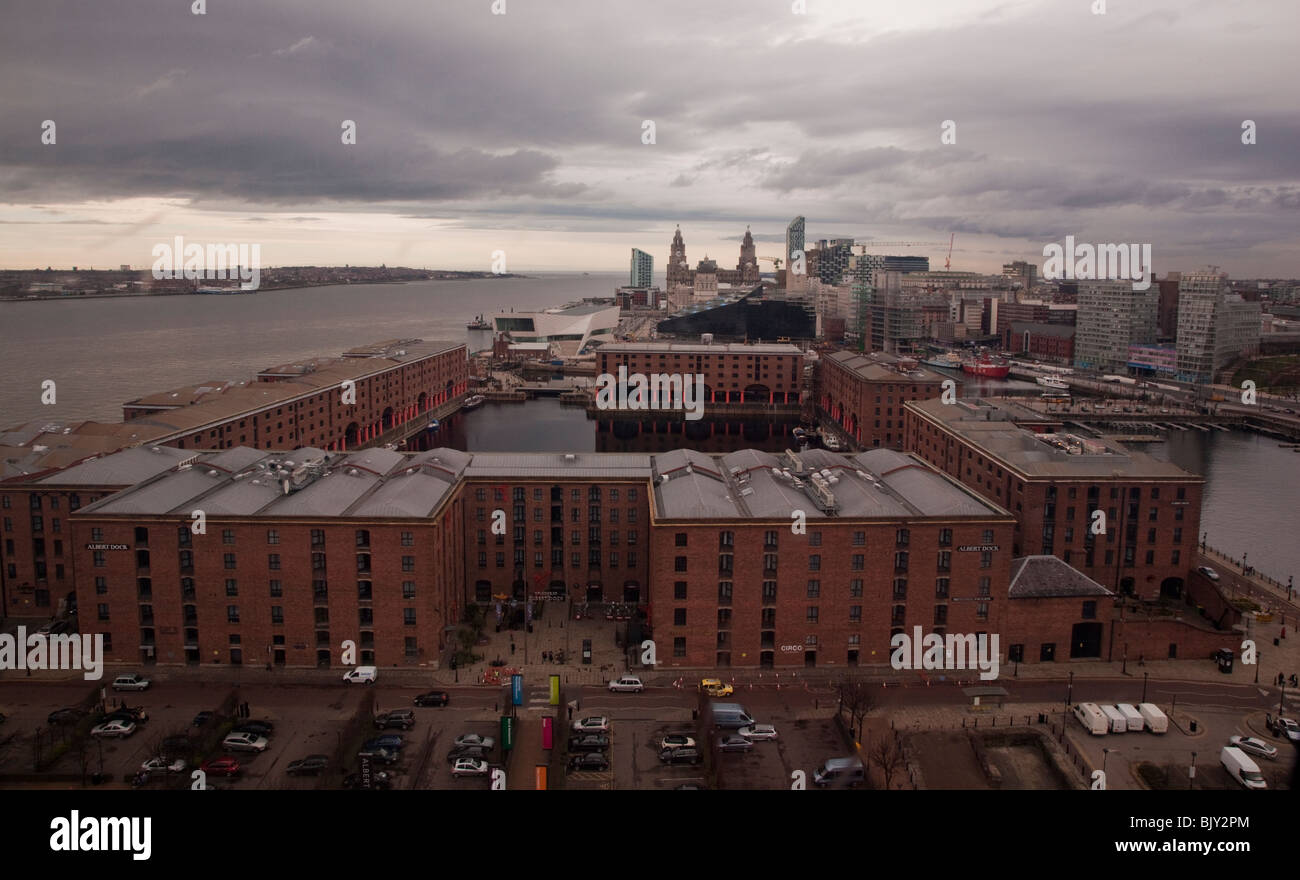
x=899 y=243
x=948 y=260
x=776 y=262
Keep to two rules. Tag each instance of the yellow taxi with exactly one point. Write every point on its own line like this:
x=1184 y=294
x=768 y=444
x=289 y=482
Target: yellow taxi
x=715 y=687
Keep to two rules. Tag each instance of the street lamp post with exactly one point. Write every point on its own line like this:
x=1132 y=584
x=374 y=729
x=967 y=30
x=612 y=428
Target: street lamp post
x=1243 y=562
x=1191 y=776
x=1145 y=675
x=1069 y=691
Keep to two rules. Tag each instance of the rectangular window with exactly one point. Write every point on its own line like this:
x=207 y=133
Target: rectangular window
x=228 y=560
x=813 y=611
x=227 y=536
x=815 y=562
x=855 y=588
x=277 y=614
x=814 y=589
x=859 y=539
x=679 y=642
x=679 y=617
x=941 y=588
x=232 y=614
x=272 y=536
x=408 y=616
x=945 y=560
x=855 y=614
x=273 y=561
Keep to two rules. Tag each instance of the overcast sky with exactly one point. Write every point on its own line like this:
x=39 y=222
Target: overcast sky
x=523 y=132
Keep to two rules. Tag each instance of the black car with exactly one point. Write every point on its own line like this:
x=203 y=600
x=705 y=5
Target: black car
x=65 y=716
x=684 y=755
x=590 y=761
x=478 y=753
x=308 y=766
x=136 y=715
x=261 y=728
x=592 y=742
x=402 y=719
x=202 y=718
x=433 y=698
x=377 y=780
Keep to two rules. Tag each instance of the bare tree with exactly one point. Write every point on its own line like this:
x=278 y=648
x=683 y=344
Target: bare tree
x=886 y=755
x=855 y=699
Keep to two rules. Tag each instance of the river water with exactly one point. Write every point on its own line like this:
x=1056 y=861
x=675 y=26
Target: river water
x=104 y=352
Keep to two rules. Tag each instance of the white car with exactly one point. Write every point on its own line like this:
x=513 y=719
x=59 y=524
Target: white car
x=1252 y=746
x=473 y=739
x=594 y=724
x=113 y=728
x=676 y=741
x=162 y=765
x=244 y=742
x=469 y=767
x=756 y=732
x=626 y=684
x=1209 y=572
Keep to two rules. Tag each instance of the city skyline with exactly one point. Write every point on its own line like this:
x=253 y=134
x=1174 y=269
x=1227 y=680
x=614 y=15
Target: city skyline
x=460 y=153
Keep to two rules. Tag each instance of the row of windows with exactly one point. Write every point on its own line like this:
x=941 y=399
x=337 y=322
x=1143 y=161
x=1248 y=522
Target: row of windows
x=144 y=588
x=857 y=562
x=365 y=616
x=812 y=614
x=557 y=559
x=557 y=494
x=726 y=589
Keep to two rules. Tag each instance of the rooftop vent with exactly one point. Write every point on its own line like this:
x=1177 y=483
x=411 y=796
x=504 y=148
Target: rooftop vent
x=569 y=456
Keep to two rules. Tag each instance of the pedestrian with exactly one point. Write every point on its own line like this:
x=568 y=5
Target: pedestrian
x=512 y=647
x=1280 y=679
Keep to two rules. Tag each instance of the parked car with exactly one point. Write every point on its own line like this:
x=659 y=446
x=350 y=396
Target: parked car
x=377 y=780
x=756 y=732
x=1252 y=746
x=733 y=742
x=1284 y=727
x=676 y=741
x=591 y=742
x=308 y=766
x=244 y=741
x=261 y=728
x=473 y=739
x=1208 y=572
x=595 y=761
x=402 y=718
x=470 y=767
x=114 y=728
x=225 y=766
x=131 y=681
x=54 y=627
x=626 y=684
x=201 y=719
x=129 y=713
x=391 y=741
x=163 y=765
x=383 y=756
x=716 y=687
x=594 y=724
x=433 y=698
x=69 y=715
x=473 y=753
x=688 y=755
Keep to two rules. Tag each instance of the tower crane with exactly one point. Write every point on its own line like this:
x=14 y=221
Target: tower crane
x=948 y=260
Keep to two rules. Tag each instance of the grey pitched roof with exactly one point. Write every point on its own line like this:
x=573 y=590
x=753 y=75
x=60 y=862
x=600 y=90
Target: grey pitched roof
x=1046 y=577
x=125 y=468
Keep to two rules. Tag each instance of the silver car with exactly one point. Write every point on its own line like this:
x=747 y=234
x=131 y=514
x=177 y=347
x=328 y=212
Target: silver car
x=1252 y=746
x=734 y=743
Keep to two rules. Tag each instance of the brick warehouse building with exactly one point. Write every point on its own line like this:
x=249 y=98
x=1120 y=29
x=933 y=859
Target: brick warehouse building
x=1053 y=481
x=890 y=544
x=302 y=551
x=576 y=525
x=864 y=394
x=733 y=372
x=286 y=406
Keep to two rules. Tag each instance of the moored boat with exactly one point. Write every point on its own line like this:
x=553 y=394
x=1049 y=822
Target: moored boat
x=473 y=402
x=948 y=361
x=986 y=366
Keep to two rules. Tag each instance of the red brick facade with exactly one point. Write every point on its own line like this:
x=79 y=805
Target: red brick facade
x=1152 y=522
x=732 y=373
x=835 y=596
x=868 y=402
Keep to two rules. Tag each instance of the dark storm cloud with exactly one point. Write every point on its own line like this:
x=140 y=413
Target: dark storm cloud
x=534 y=118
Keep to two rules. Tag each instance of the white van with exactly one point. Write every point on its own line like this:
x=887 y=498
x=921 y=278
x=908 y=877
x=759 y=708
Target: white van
x=1118 y=723
x=840 y=772
x=1132 y=716
x=363 y=674
x=1241 y=768
x=1157 y=721
x=1091 y=718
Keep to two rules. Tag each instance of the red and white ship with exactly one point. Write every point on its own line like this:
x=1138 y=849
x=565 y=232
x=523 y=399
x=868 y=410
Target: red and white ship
x=986 y=366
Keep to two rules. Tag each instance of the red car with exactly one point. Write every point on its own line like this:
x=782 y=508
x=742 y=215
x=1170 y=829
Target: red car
x=220 y=767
